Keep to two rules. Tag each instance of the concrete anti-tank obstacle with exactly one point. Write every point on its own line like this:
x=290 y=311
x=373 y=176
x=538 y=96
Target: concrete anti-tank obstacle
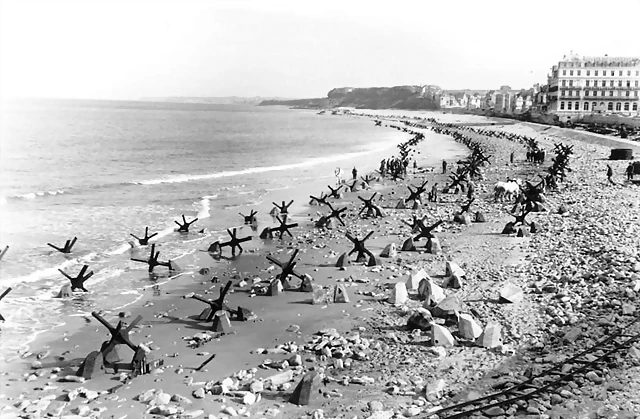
x=144 y=240
x=322 y=200
x=389 y=251
x=430 y=292
x=479 y=217
x=491 y=336
x=408 y=245
x=221 y=323
x=468 y=327
x=425 y=231
x=119 y=336
x=399 y=294
x=233 y=243
x=415 y=277
x=340 y=294
x=92 y=366
x=415 y=195
x=335 y=192
x=433 y=246
x=306 y=392
x=153 y=260
x=214 y=305
x=282 y=228
x=335 y=213
x=251 y=218
x=184 y=227
x=363 y=254
x=287 y=268
x=369 y=208
x=441 y=336
x=79 y=280
x=511 y=294
x=275 y=288
x=67 y=246
x=283 y=209
x=4 y=251
x=7 y=291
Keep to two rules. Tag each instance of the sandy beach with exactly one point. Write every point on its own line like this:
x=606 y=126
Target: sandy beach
x=579 y=276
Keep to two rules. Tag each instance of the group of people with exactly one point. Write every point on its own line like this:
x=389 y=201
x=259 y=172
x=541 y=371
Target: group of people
x=629 y=171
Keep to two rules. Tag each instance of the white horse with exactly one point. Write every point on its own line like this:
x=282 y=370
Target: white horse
x=509 y=190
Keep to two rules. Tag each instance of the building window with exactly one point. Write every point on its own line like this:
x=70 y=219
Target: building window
x=629 y=73
x=637 y=73
x=578 y=72
x=586 y=93
x=610 y=106
x=620 y=73
x=570 y=93
x=571 y=72
x=564 y=83
x=564 y=72
x=636 y=83
x=610 y=92
x=628 y=83
x=604 y=83
x=626 y=106
x=613 y=73
x=627 y=93
x=595 y=73
x=586 y=106
x=635 y=106
x=635 y=93
x=588 y=83
x=618 y=106
x=577 y=106
x=593 y=106
x=562 y=106
x=569 y=104
x=570 y=83
x=588 y=72
x=619 y=83
x=611 y=83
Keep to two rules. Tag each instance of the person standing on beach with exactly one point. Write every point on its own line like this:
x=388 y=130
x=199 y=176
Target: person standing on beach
x=512 y=157
x=338 y=173
x=434 y=193
x=610 y=175
x=415 y=166
x=444 y=166
x=630 y=170
x=354 y=172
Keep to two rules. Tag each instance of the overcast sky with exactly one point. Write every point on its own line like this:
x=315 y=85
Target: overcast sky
x=130 y=49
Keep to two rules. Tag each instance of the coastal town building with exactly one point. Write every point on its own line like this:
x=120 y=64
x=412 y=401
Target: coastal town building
x=579 y=86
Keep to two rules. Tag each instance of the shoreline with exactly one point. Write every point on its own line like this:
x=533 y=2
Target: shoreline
x=481 y=251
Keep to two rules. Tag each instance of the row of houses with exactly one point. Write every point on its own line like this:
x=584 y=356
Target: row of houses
x=504 y=100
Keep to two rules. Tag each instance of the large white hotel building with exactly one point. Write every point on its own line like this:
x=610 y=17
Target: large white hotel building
x=605 y=85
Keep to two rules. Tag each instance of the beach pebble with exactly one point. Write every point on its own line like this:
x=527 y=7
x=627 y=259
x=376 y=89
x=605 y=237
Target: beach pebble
x=177 y=398
x=375 y=406
x=411 y=411
x=230 y=411
x=164 y=410
x=256 y=386
x=81 y=410
x=192 y=414
x=199 y=393
x=293 y=328
x=249 y=399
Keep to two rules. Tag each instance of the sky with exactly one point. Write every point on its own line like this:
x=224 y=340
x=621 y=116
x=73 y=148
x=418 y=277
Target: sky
x=120 y=49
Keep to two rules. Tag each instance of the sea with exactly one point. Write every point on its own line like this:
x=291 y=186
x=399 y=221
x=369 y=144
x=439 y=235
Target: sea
x=102 y=170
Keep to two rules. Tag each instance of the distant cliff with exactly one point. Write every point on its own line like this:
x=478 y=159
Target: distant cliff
x=398 y=97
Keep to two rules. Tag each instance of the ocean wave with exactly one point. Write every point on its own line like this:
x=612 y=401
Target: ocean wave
x=31 y=195
x=307 y=163
x=49 y=272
